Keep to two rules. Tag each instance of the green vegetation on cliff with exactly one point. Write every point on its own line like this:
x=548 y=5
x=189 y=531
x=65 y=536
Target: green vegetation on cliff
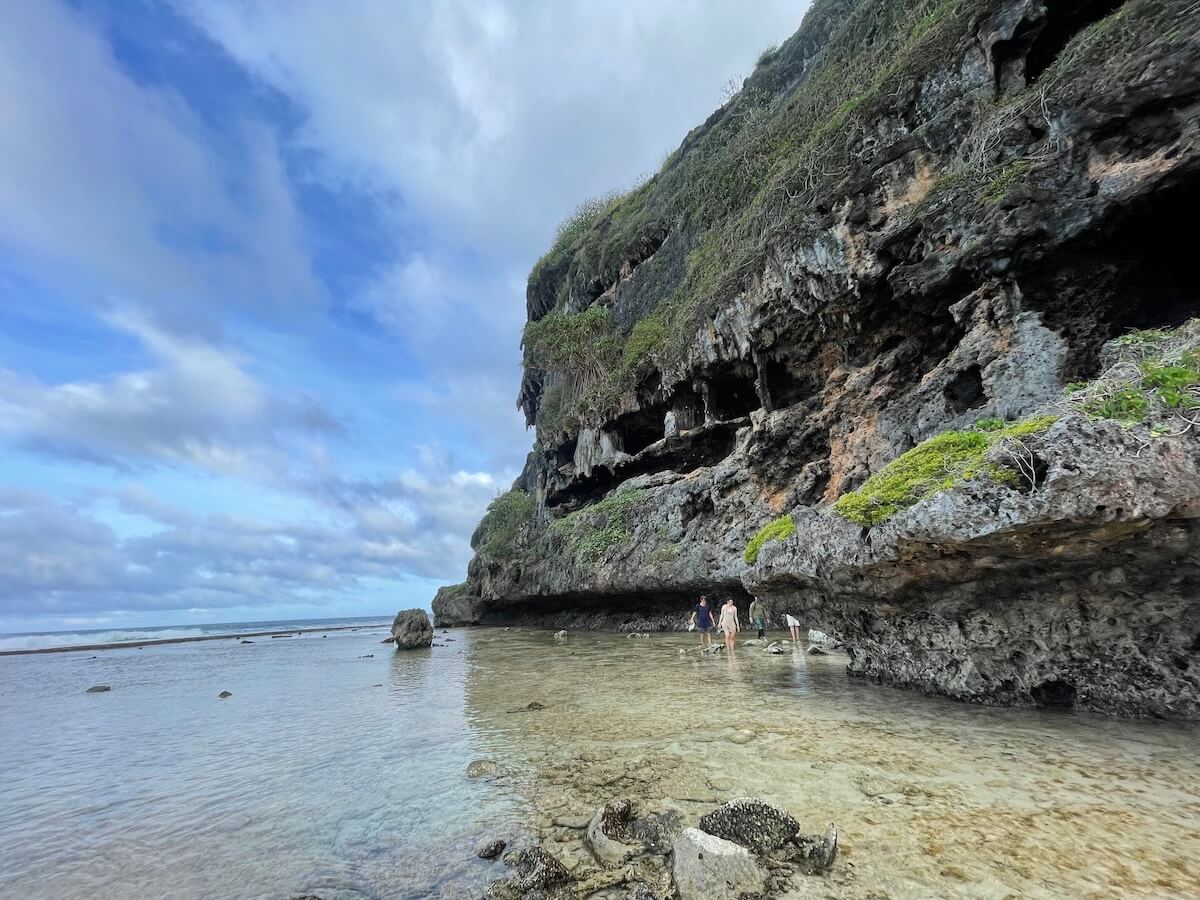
x=933 y=466
x=1155 y=374
x=497 y=531
x=779 y=530
x=594 y=532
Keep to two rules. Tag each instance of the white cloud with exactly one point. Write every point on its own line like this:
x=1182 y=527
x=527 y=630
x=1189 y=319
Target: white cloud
x=112 y=186
x=494 y=119
x=198 y=406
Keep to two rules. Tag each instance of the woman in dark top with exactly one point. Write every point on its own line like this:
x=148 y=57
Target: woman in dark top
x=702 y=618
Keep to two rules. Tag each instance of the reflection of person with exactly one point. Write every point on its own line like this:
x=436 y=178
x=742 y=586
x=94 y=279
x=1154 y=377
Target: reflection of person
x=703 y=620
x=729 y=622
x=794 y=624
x=758 y=617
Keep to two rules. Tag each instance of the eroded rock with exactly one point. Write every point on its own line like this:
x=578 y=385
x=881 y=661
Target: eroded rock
x=706 y=867
x=751 y=823
x=411 y=629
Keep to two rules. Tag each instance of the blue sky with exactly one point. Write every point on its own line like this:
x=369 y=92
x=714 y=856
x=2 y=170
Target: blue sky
x=262 y=274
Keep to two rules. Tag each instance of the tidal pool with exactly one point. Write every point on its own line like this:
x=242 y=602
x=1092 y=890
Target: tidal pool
x=338 y=768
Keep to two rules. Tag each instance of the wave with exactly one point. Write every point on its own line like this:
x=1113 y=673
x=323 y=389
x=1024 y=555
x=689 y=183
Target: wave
x=71 y=639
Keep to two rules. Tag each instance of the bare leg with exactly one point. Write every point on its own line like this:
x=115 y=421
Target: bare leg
x=795 y=634
x=729 y=636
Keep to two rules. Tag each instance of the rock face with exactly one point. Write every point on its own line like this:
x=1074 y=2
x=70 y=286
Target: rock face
x=453 y=606
x=411 y=629
x=752 y=823
x=709 y=868
x=926 y=226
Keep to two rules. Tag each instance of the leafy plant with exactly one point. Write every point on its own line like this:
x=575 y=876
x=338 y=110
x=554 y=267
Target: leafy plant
x=596 y=530
x=506 y=515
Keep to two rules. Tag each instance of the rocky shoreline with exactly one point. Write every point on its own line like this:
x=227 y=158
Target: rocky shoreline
x=939 y=400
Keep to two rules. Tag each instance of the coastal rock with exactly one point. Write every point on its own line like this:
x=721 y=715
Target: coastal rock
x=814 y=854
x=247 y=642
x=483 y=768
x=607 y=833
x=708 y=868
x=98 y=689
x=534 y=870
x=751 y=823
x=560 y=635
x=939 y=260
x=817 y=650
x=386 y=640
x=491 y=849
x=412 y=630
x=817 y=637
x=454 y=606
x=224 y=695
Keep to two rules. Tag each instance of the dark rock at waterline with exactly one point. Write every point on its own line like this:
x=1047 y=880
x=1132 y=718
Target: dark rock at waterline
x=367 y=656
x=816 y=650
x=812 y=853
x=224 y=695
x=530 y=707
x=98 y=689
x=618 y=832
x=411 y=629
x=534 y=870
x=483 y=768
x=751 y=823
x=491 y=849
x=386 y=640
x=247 y=642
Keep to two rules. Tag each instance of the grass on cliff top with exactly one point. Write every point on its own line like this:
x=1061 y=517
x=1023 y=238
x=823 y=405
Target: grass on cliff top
x=742 y=178
x=779 y=530
x=500 y=526
x=933 y=466
x=1154 y=377
x=595 y=531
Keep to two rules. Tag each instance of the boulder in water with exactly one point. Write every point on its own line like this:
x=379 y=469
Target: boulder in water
x=483 y=768
x=817 y=650
x=224 y=695
x=386 y=640
x=817 y=637
x=490 y=849
x=706 y=867
x=751 y=823
x=560 y=635
x=412 y=630
x=534 y=870
x=98 y=689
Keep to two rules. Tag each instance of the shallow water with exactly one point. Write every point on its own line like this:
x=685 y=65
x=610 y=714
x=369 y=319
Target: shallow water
x=312 y=779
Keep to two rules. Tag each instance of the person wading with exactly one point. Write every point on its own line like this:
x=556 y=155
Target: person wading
x=759 y=617
x=702 y=618
x=729 y=622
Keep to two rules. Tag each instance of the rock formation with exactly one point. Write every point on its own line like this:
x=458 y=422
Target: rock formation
x=896 y=341
x=411 y=629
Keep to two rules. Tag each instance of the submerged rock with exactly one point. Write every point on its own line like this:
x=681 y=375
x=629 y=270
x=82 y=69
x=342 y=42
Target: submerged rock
x=224 y=695
x=386 y=640
x=483 y=768
x=98 y=689
x=560 y=635
x=533 y=870
x=751 y=823
x=706 y=867
x=490 y=849
x=817 y=650
x=411 y=629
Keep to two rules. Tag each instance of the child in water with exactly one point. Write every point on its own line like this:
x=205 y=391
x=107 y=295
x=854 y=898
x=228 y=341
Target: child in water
x=703 y=620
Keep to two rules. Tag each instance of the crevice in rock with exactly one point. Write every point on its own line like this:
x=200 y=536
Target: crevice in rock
x=681 y=453
x=965 y=391
x=785 y=386
x=731 y=392
x=1054 y=694
x=1136 y=271
x=1064 y=19
x=636 y=431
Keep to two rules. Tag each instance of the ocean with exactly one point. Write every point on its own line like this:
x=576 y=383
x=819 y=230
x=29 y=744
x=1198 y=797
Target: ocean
x=338 y=769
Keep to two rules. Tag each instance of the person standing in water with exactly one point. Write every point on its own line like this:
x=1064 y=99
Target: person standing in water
x=729 y=622
x=794 y=624
x=758 y=617
x=703 y=620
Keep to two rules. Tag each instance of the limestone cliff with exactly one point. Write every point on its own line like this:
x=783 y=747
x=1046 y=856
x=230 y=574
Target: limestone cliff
x=911 y=231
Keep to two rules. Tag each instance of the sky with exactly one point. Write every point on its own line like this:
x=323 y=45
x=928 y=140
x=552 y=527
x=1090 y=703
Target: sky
x=262 y=274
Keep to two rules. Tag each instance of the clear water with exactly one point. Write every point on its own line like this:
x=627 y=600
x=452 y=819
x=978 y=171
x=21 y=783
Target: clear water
x=345 y=777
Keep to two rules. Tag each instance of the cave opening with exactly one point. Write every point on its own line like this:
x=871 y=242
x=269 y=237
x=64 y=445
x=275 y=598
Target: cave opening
x=688 y=408
x=1054 y=694
x=1064 y=20
x=638 y=430
x=785 y=387
x=1036 y=43
x=965 y=391
x=1135 y=272
x=731 y=395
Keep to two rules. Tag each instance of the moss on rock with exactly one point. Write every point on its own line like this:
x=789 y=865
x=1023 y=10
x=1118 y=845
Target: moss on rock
x=779 y=530
x=933 y=466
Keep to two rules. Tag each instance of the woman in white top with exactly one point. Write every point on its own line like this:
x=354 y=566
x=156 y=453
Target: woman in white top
x=729 y=622
x=794 y=624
